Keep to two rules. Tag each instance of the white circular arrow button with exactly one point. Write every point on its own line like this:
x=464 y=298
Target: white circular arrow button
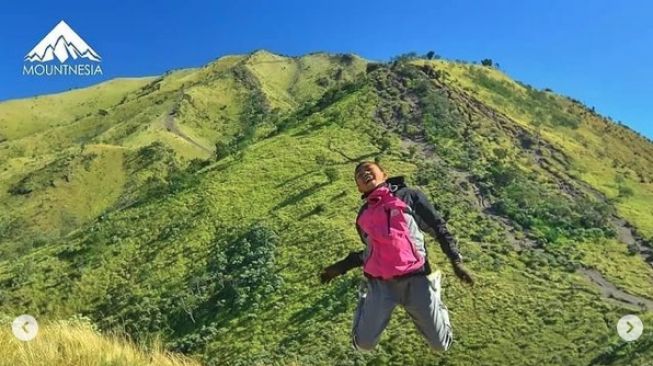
x=630 y=328
x=25 y=327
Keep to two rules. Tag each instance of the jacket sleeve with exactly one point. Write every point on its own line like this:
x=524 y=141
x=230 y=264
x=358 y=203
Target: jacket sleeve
x=354 y=259
x=430 y=221
x=351 y=261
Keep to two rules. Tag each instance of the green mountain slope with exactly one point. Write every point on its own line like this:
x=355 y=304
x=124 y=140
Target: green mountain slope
x=199 y=207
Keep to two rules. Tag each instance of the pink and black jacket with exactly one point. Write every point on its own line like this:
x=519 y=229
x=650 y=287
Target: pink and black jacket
x=390 y=224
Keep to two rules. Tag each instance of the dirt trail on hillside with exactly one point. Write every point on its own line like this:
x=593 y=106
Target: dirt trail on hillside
x=612 y=292
x=171 y=126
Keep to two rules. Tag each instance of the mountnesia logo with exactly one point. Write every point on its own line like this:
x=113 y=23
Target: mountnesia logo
x=62 y=44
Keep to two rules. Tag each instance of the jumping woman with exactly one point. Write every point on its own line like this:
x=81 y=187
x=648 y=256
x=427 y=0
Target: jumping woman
x=395 y=264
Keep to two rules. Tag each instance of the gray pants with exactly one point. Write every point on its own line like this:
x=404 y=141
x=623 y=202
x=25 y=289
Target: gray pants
x=419 y=298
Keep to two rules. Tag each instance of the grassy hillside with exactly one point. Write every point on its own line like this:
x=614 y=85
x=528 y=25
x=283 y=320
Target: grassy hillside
x=610 y=157
x=200 y=207
x=20 y=118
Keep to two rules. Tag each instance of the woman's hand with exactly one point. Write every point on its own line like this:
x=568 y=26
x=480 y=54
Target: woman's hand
x=462 y=273
x=329 y=273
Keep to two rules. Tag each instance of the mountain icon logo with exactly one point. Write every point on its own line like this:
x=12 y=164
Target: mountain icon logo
x=63 y=44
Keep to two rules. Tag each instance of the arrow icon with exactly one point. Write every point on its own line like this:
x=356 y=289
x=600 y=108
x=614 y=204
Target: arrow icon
x=25 y=327
x=630 y=328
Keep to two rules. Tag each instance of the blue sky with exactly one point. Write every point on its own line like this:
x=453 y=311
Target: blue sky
x=599 y=52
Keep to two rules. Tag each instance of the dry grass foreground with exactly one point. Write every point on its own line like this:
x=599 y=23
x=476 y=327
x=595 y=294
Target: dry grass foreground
x=65 y=343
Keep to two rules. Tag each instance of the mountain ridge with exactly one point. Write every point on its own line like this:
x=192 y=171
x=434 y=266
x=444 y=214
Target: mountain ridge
x=69 y=48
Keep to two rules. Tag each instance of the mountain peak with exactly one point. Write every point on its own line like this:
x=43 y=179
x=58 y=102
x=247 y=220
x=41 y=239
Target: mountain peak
x=62 y=43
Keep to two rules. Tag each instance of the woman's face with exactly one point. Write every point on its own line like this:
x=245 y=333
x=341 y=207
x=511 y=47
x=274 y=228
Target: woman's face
x=368 y=176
